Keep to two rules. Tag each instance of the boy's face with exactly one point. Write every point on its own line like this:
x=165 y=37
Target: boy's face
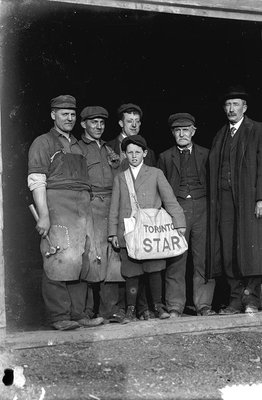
x=135 y=154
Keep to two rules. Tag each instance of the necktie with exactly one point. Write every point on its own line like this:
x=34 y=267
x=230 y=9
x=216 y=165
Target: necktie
x=185 y=154
x=232 y=131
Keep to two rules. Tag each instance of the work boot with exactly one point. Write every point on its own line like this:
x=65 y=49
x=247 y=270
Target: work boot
x=160 y=311
x=144 y=315
x=88 y=322
x=251 y=309
x=206 y=312
x=65 y=325
x=130 y=315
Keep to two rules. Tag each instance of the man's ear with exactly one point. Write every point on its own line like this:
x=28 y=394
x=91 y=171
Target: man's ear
x=53 y=115
x=245 y=108
x=83 y=124
x=193 y=131
x=121 y=123
x=145 y=153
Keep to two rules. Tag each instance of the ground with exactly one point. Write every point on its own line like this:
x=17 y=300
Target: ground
x=173 y=366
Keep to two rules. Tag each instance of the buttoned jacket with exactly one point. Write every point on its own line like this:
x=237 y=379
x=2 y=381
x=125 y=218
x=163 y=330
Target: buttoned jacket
x=169 y=163
x=152 y=189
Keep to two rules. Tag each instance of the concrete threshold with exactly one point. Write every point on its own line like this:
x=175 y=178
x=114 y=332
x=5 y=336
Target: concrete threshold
x=153 y=327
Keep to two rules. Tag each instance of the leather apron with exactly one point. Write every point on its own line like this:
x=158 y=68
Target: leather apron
x=68 y=200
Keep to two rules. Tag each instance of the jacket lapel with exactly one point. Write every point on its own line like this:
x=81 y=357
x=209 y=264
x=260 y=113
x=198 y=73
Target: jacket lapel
x=198 y=157
x=142 y=176
x=176 y=158
x=244 y=132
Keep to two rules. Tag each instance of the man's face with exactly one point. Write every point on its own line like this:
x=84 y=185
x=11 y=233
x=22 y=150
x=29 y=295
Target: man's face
x=135 y=154
x=64 y=119
x=94 y=127
x=183 y=135
x=235 y=109
x=130 y=123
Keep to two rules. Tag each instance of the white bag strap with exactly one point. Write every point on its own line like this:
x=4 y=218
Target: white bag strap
x=132 y=192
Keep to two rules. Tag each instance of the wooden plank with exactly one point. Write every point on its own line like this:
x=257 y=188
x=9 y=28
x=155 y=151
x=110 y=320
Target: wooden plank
x=230 y=9
x=153 y=327
x=2 y=272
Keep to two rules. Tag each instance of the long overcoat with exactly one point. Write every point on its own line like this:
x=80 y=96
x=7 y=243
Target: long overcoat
x=247 y=190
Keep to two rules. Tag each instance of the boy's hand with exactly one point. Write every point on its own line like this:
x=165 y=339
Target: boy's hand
x=114 y=241
x=181 y=231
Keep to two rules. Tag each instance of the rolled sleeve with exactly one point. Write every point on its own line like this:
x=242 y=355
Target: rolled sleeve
x=35 y=181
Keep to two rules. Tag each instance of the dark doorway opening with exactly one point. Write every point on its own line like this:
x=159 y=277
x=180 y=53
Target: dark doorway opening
x=165 y=63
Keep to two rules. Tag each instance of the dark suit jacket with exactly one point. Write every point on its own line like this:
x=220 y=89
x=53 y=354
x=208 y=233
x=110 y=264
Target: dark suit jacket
x=149 y=160
x=169 y=162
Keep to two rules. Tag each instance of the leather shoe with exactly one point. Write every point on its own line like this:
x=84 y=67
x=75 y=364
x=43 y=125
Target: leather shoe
x=206 y=312
x=229 y=311
x=175 y=314
x=65 y=325
x=160 y=312
x=117 y=317
x=90 y=322
x=251 y=309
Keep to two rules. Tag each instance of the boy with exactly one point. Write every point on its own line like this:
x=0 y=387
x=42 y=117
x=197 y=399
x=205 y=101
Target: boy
x=152 y=189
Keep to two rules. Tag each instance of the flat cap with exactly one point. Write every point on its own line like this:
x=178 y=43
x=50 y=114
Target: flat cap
x=135 y=139
x=91 y=112
x=236 y=92
x=129 y=107
x=63 y=101
x=181 y=119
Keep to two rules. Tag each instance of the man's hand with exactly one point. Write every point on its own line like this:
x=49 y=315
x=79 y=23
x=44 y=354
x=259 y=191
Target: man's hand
x=43 y=225
x=114 y=241
x=181 y=231
x=258 y=209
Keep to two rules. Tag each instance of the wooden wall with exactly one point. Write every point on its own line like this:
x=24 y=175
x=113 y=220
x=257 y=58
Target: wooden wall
x=250 y=10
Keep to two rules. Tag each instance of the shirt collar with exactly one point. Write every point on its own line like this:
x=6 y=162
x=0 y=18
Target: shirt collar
x=237 y=125
x=137 y=168
x=187 y=148
x=88 y=139
x=71 y=138
x=122 y=136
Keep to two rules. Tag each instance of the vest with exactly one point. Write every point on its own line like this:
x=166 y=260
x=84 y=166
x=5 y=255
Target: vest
x=190 y=184
x=228 y=154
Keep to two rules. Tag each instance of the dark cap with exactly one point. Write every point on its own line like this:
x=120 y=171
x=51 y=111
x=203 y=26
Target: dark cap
x=135 y=139
x=235 y=92
x=129 y=107
x=93 y=112
x=181 y=119
x=63 y=101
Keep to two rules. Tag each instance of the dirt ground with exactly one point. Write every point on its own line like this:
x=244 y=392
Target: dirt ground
x=171 y=366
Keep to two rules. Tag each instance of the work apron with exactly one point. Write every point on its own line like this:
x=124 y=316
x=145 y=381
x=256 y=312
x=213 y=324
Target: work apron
x=70 y=219
x=100 y=204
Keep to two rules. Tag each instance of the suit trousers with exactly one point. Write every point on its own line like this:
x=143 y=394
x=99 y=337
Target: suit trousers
x=175 y=284
x=243 y=290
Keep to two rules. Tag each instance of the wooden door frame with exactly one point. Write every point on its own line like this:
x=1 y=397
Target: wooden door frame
x=235 y=9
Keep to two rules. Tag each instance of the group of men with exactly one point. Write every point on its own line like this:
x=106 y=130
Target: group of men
x=220 y=192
